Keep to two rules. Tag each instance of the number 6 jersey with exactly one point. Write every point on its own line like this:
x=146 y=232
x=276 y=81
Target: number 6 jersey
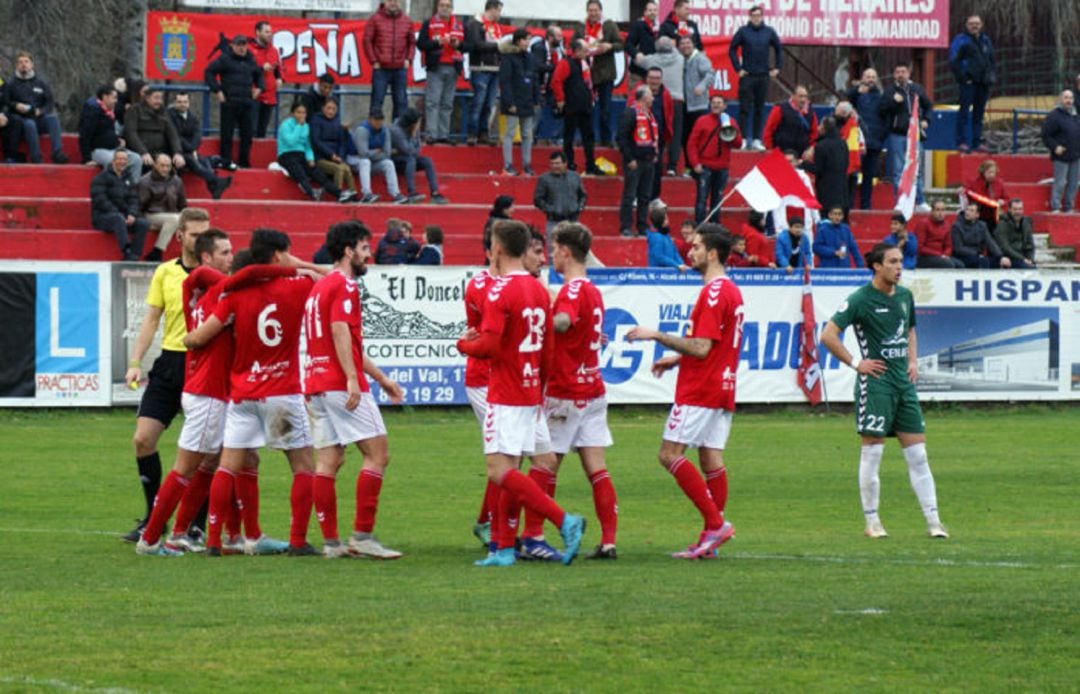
x=517 y=311
x=266 y=319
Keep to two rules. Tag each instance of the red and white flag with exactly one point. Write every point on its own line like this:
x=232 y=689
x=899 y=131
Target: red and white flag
x=905 y=193
x=773 y=180
x=808 y=375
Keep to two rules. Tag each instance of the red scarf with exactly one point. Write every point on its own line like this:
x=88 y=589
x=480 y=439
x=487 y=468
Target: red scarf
x=682 y=28
x=492 y=29
x=645 y=127
x=654 y=27
x=110 y=114
x=451 y=29
x=593 y=32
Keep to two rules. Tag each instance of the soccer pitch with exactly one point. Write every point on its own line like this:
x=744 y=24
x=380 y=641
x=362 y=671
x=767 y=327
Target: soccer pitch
x=799 y=600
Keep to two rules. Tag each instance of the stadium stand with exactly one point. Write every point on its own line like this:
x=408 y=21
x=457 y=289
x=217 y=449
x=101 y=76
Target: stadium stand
x=45 y=211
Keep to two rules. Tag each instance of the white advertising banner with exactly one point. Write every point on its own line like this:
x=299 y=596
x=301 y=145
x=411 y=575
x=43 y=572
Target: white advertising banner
x=561 y=10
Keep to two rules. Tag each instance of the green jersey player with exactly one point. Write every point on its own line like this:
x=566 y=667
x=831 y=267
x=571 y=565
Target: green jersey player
x=882 y=314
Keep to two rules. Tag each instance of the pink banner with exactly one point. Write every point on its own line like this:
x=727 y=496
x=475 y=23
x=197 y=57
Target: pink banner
x=908 y=23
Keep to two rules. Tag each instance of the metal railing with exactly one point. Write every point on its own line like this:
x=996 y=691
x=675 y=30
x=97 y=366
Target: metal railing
x=1016 y=113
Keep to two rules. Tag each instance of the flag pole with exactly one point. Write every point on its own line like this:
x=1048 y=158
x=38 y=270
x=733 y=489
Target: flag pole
x=715 y=209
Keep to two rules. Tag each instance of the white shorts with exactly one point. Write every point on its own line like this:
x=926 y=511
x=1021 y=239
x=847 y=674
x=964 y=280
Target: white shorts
x=279 y=422
x=515 y=430
x=698 y=427
x=478 y=401
x=577 y=424
x=333 y=425
x=204 y=423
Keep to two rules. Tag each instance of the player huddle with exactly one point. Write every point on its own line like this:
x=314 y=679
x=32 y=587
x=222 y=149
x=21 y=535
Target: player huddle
x=532 y=378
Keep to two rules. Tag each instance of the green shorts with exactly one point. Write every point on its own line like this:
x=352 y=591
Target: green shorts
x=883 y=408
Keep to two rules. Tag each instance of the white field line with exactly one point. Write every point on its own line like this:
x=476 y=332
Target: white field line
x=63 y=686
x=751 y=556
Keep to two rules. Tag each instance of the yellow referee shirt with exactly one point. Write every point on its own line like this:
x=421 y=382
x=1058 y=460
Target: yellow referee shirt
x=167 y=293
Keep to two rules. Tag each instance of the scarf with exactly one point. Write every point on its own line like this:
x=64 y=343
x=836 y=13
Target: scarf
x=681 y=27
x=449 y=29
x=645 y=127
x=492 y=29
x=111 y=114
x=593 y=32
x=654 y=26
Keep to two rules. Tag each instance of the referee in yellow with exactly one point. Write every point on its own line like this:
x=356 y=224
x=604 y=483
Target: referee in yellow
x=161 y=400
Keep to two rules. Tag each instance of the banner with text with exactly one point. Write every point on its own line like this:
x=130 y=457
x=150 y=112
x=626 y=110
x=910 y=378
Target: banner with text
x=908 y=23
x=55 y=337
x=180 y=46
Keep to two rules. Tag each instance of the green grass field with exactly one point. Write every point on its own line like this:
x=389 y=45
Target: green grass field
x=800 y=600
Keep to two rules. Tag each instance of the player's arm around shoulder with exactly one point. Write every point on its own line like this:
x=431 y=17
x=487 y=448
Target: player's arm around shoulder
x=201 y=336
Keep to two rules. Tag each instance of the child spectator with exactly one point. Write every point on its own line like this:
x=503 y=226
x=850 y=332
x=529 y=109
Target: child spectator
x=431 y=252
x=792 y=247
x=396 y=247
x=834 y=245
x=738 y=256
x=906 y=242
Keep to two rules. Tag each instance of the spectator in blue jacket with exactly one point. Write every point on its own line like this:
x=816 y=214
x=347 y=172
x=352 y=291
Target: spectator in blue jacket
x=834 y=244
x=906 y=242
x=662 y=251
x=753 y=41
x=431 y=252
x=971 y=57
x=331 y=144
x=866 y=98
x=793 y=247
x=397 y=246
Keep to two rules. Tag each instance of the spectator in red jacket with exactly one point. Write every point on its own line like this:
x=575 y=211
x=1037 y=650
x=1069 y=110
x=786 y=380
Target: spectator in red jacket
x=685 y=240
x=792 y=124
x=738 y=256
x=759 y=250
x=389 y=44
x=988 y=191
x=709 y=150
x=934 y=240
x=269 y=60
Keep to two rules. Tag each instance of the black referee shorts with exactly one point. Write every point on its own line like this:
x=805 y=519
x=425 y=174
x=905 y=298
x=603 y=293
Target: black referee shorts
x=161 y=400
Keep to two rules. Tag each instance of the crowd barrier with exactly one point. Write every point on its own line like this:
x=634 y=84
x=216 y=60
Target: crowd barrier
x=68 y=331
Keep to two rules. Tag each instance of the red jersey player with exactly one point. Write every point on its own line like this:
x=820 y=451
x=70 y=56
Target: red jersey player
x=342 y=407
x=265 y=401
x=477 y=372
x=200 y=440
x=575 y=405
x=516 y=319
x=708 y=357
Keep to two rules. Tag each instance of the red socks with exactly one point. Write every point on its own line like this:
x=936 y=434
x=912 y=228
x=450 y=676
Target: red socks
x=487 y=508
x=325 y=494
x=717 y=482
x=300 y=499
x=607 y=510
x=532 y=497
x=192 y=500
x=505 y=533
x=368 y=486
x=545 y=479
x=232 y=519
x=221 y=499
x=695 y=489
x=247 y=493
x=172 y=489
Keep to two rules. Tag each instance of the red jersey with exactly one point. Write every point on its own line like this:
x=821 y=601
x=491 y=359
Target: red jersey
x=575 y=372
x=718 y=316
x=517 y=311
x=334 y=299
x=206 y=370
x=266 y=319
x=477 y=371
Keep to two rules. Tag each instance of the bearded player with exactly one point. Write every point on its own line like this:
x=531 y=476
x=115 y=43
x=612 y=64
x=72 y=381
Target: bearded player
x=342 y=407
x=883 y=316
x=266 y=406
x=707 y=359
x=515 y=322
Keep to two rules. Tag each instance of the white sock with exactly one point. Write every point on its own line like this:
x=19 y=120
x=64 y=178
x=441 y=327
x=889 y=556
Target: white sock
x=869 y=482
x=922 y=480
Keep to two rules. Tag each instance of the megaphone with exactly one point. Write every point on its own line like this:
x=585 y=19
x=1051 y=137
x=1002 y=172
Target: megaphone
x=727 y=128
